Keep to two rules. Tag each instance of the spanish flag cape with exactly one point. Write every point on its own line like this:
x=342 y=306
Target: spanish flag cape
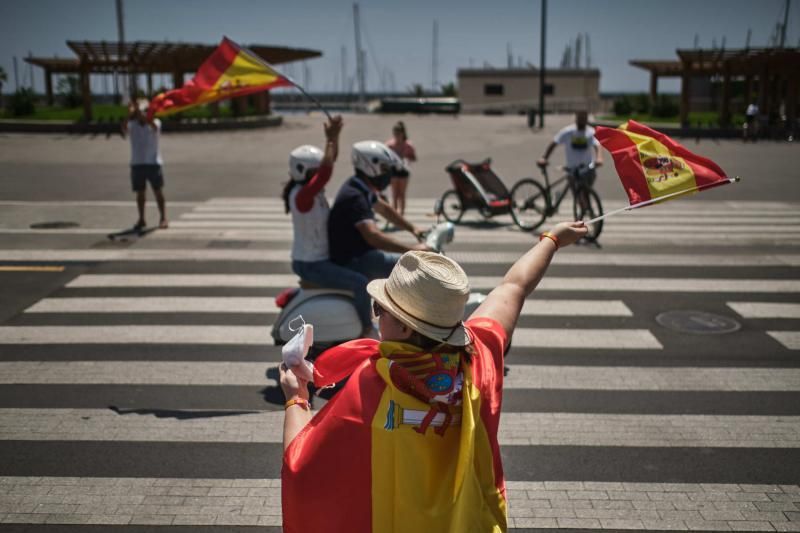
x=380 y=458
x=230 y=71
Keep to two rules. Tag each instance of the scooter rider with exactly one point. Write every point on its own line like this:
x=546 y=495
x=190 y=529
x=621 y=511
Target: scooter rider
x=355 y=239
x=304 y=196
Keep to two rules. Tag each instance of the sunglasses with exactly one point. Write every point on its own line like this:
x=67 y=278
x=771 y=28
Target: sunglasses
x=377 y=310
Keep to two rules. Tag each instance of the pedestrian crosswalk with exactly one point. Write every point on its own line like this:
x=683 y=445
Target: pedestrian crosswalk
x=142 y=389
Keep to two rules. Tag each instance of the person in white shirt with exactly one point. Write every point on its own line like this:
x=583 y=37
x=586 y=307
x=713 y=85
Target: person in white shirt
x=146 y=160
x=580 y=145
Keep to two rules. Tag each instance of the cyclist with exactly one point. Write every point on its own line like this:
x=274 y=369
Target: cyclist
x=304 y=197
x=355 y=239
x=581 y=149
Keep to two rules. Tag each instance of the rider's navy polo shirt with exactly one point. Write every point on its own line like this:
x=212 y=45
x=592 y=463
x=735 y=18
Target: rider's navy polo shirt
x=353 y=204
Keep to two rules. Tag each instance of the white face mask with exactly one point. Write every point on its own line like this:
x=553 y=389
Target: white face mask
x=295 y=351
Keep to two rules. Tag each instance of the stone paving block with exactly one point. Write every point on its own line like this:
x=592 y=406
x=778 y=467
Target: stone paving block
x=602 y=485
x=547 y=494
x=164 y=500
x=270 y=521
x=759 y=488
x=188 y=491
x=536 y=522
x=206 y=500
x=777 y=506
x=553 y=513
x=24 y=518
x=587 y=495
x=55 y=508
x=18 y=507
x=707 y=525
x=178 y=509
x=138 y=509
x=612 y=504
x=97 y=508
x=709 y=497
x=793 y=516
x=680 y=515
x=787 y=526
x=563 y=485
x=579 y=523
x=525 y=485
x=790 y=488
x=253 y=483
x=653 y=505
x=512 y=494
x=264 y=491
x=151 y=520
x=694 y=506
x=627 y=495
x=668 y=496
x=228 y=491
x=260 y=510
x=215 y=483
x=634 y=514
x=118 y=519
x=194 y=520
x=765 y=516
x=237 y=520
x=615 y=523
x=643 y=487
x=571 y=504
x=67 y=518
x=662 y=525
x=722 y=516
x=720 y=487
x=749 y=496
x=748 y=525
x=785 y=497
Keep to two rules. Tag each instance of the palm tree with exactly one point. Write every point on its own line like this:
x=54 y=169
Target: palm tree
x=3 y=79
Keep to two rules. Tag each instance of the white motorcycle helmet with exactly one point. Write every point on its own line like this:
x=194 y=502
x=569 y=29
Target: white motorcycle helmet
x=376 y=162
x=303 y=159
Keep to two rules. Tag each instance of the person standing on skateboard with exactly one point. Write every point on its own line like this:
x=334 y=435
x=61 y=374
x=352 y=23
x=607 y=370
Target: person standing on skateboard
x=146 y=160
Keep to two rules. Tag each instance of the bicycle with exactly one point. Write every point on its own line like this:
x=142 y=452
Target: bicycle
x=533 y=202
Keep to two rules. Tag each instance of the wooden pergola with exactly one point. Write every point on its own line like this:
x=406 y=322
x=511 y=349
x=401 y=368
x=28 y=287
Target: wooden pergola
x=147 y=57
x=776 y=71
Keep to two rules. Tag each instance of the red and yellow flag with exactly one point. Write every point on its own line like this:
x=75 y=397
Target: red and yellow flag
x=229 y=72
x=392 y=452
x=653 y=166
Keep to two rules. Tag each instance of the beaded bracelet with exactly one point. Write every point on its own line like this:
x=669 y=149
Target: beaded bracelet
x=548 y=235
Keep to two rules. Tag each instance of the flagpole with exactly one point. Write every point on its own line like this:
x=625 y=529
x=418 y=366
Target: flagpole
x=662 y=198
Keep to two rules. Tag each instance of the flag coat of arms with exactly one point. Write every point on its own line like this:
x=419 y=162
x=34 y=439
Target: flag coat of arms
x=377 y=458
x=230 y=71
x=652 y=166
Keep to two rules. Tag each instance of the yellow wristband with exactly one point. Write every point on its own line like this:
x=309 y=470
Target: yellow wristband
x=298 y=401
x=548 y=235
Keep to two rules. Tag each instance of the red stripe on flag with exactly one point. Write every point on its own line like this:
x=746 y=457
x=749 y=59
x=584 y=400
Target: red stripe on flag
x=706 y=172
x=627 y=161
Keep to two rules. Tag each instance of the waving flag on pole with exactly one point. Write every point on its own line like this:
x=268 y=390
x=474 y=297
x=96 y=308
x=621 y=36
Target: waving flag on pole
x=654 y=168
x=229 y=72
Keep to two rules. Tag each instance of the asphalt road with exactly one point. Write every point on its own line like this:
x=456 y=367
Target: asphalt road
x=133 y=393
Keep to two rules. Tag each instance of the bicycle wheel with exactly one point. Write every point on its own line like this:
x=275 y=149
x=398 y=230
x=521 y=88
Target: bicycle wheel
x=528 y=204
x=451 y=206
x=586 y=206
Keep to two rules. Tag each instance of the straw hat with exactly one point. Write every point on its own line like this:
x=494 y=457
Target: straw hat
x=426 y=292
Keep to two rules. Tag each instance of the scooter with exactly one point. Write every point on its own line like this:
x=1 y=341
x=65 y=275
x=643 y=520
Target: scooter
x=332 y=311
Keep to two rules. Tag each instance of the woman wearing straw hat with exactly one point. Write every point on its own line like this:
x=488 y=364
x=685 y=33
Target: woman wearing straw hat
x=410 y=443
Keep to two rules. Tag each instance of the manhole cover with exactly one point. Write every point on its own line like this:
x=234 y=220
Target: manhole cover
x=58 y=224
x=697 y=322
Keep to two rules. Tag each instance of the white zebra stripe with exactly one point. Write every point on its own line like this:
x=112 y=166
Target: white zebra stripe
x=766 y=309
x=516 y=429
x=242 y=304
x=790 y=339
x=551 y=283
x=520 y=377
x=621 y=339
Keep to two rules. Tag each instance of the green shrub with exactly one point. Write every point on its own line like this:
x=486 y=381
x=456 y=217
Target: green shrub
x=641 y=103
x=623 y=106
x=69 y=89
x=665 y=107
x=21 y=103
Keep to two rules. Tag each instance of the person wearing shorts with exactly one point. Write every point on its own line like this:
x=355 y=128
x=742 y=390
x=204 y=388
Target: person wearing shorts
x=144 y=133
x=401 y=146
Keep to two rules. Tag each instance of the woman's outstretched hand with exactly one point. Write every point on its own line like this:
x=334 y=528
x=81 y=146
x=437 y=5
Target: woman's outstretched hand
x=292 y=385
x=569 y=232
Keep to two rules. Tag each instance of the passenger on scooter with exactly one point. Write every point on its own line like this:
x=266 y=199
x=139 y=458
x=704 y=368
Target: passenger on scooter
x=304 y=197
x=355 y=239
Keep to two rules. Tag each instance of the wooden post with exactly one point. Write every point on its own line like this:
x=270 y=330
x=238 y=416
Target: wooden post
x=262 y=103
x=791 y=100
x=725 y=113
x=48 y=86
x=86 y=90
x=686 y=77
x=177 y=80
x=763 y=91
x=748 y=90
x=653 y=87
x=149 y=84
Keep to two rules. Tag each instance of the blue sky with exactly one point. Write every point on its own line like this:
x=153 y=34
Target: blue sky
x=398 y=35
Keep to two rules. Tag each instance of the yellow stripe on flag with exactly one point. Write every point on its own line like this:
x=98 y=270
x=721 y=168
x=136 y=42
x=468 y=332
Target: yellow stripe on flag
x=664 y=172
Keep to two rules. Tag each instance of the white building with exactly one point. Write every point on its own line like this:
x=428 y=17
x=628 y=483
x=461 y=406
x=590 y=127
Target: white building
x=516 y=90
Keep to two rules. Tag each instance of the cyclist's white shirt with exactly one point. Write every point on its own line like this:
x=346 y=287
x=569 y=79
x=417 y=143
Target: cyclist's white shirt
x=578 y=145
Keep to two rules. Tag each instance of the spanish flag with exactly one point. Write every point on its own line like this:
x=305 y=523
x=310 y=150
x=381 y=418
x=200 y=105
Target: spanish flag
x=408 y=445
x=229 y=72
x=653 y=167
